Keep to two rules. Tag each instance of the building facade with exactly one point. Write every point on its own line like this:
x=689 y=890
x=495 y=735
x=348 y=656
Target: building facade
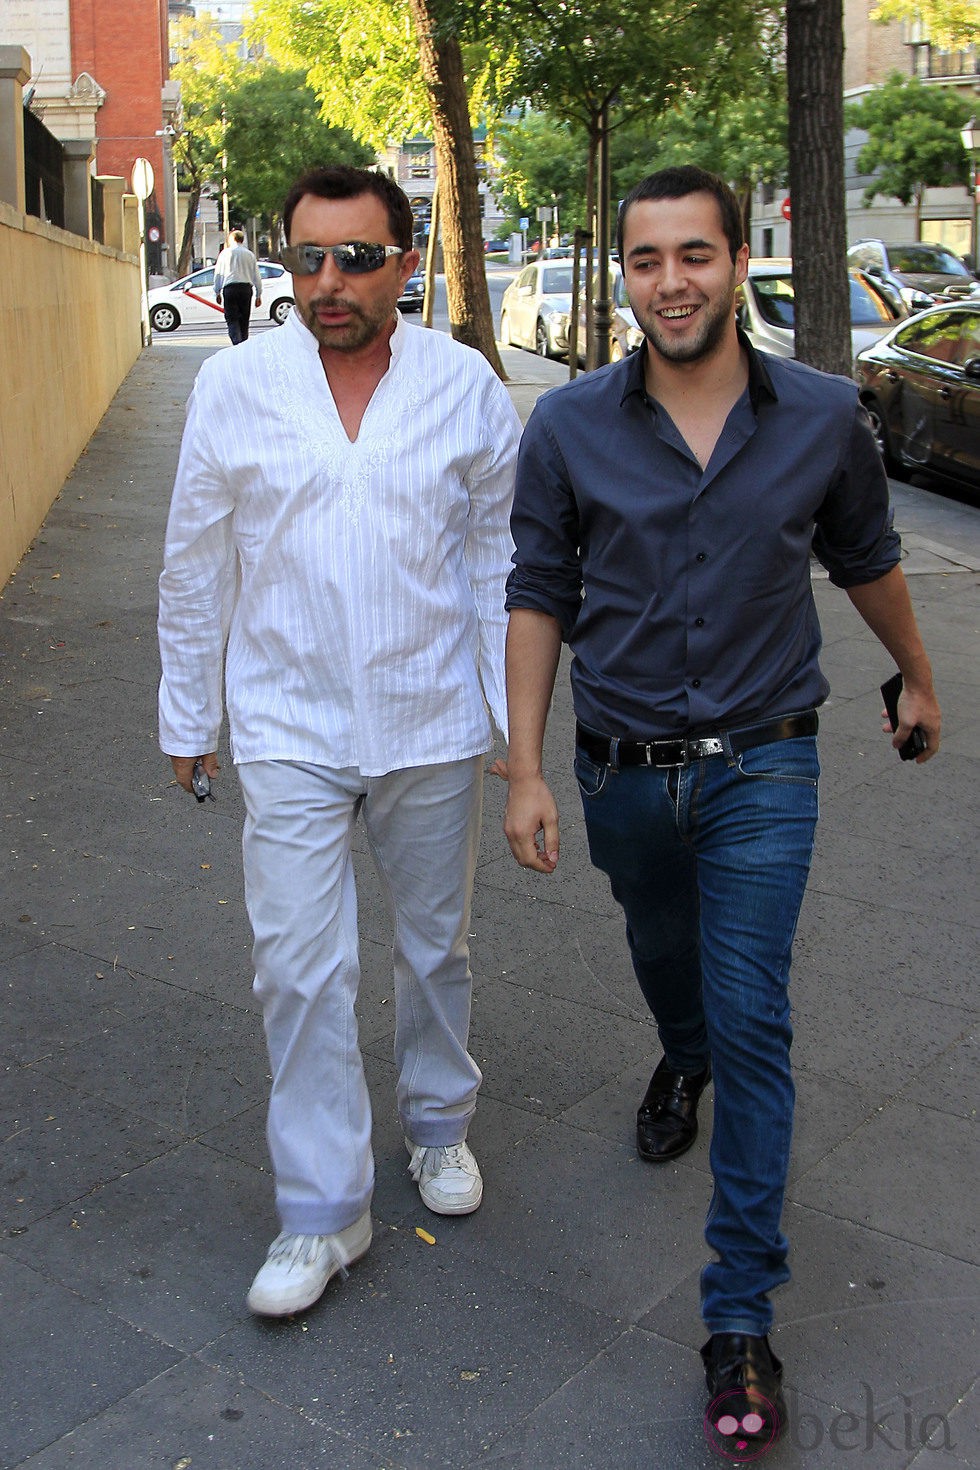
x=412 y=164
x=101 y=72
x=873 y=51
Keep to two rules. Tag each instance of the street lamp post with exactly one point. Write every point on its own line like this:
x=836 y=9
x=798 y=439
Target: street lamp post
x=970 y=138
x=603 y=305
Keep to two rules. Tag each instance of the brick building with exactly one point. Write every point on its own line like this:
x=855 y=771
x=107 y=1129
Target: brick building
x=100 y=71
x=871 y=52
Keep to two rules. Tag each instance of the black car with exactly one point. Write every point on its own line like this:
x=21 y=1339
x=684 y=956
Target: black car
x=413 y=294
x=921 y=386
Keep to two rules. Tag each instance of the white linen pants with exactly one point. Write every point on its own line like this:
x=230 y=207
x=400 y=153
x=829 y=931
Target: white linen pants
x=423 y=828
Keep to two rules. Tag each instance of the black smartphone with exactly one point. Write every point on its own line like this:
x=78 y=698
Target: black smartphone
x=916 y=743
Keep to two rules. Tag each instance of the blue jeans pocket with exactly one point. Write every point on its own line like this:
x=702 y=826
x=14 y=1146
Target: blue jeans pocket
x=590 y=774
x=793 y=761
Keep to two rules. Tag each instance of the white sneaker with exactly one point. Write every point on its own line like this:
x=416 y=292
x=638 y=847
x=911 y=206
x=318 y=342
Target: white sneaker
x=298 y=1267
x=448 y=1178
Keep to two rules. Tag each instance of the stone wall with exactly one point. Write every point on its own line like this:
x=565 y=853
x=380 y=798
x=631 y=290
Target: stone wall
x=69 y=332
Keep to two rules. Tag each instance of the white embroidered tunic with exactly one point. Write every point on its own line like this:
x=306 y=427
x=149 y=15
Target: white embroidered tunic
x=354 y=590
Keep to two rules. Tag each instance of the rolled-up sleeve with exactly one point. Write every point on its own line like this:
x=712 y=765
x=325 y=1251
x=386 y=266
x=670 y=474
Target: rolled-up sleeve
x=547 y=574
x=853 y=536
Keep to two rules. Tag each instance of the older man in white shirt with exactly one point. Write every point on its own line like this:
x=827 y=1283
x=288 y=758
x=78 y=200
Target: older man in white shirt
x=339 y=539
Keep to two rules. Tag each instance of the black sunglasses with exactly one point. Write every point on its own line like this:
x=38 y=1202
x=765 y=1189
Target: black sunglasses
x=355 y=258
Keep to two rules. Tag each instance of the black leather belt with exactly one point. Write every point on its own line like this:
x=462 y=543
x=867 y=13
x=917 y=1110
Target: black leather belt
x=683 y=751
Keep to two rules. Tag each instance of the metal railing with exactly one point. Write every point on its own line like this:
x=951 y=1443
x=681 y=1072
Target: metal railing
x=44 y=185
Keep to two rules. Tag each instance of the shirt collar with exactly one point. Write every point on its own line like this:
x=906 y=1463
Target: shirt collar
x=760 y=383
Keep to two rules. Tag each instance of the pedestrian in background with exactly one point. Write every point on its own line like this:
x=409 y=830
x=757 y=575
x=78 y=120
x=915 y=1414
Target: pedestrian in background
x=236 y=276
x=664 y=516
x=340 y=519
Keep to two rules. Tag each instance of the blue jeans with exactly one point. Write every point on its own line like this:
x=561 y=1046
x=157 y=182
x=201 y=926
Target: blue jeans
x=709 y=863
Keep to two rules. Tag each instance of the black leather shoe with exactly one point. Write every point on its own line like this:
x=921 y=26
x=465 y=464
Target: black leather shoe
x=744 y=1378
x=667 y=1122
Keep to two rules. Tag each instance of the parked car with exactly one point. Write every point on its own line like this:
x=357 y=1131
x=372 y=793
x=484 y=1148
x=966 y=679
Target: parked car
x=535 y=308
x=765 y=308
x=191 y=298
x=919 y=273
x=626 y=335
x=921 y=387
x=413 y=294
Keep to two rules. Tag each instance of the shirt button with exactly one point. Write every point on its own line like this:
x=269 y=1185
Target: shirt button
x=701 y=556
x=695 y=683
x=699 y=622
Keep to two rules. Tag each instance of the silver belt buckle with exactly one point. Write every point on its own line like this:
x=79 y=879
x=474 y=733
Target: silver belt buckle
x=685 y=758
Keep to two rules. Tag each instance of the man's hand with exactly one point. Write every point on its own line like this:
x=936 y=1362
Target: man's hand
x=258 y=300
x=916 y=707
x=184 y=767
x=531 y=823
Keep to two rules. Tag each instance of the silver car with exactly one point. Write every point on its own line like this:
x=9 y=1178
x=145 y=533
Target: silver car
x=535 y=309
x=625 y=332
x=765 y=308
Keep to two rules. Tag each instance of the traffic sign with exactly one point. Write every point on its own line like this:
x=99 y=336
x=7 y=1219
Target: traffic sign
x=142 y=178
x=786 y=208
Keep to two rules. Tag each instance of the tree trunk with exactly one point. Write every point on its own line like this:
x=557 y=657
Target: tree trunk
x=468 y=297
x=815 y=83
x=185 y=259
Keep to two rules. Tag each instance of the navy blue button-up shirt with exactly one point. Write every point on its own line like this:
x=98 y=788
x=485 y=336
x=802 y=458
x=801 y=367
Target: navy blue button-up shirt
x=685 y=593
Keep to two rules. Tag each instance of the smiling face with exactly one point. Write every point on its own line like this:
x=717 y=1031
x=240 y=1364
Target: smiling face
x=346 y=313
x=680 y=276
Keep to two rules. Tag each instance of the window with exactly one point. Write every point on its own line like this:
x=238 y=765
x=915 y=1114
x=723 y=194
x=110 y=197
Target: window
x=952 y=338
x=774 y=295
x=925 y=258
x=556 y=281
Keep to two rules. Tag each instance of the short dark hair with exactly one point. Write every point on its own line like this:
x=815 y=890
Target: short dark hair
x=340 y=181
x=677 y=183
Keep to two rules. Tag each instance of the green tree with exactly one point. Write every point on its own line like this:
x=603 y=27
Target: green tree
x=392 y=70
x=364 y=69
x=275 y=131
x=256 y=123
x=598 y=64
x=541 y=162
x=742 y=137
x=207 y=71
x=954 y=24
x=913 y=140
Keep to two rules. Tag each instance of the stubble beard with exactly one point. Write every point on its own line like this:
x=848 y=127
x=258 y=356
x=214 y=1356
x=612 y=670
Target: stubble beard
x=364 y=328
x=713 y=327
